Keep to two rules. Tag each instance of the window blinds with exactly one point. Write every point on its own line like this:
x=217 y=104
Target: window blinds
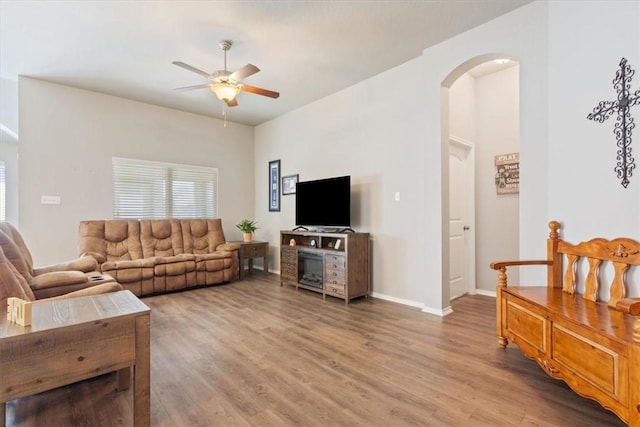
x=153 y=190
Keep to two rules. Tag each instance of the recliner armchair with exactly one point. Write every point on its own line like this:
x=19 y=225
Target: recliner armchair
x=18 y=277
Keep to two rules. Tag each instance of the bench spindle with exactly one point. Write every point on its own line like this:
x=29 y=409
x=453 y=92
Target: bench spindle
x=618 y=286
x=569 y=285
x=592 y=283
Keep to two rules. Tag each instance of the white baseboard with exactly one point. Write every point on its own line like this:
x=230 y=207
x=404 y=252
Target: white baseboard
x=402 y=301
x=438 y=312
x=416 y=304
x=486 y=293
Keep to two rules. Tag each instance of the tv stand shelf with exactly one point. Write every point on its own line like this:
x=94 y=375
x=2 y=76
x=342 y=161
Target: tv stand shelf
x=334 y=264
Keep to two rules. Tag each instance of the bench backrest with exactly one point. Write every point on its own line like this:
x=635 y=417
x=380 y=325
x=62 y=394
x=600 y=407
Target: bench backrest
x=620 y=253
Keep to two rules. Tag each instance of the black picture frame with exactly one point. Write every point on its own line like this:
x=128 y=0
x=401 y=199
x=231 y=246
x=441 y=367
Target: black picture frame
x=289 y=184
x=274 y=186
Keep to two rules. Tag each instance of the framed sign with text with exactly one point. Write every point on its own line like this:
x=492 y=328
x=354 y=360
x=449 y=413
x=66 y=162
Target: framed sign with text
x=508 y=173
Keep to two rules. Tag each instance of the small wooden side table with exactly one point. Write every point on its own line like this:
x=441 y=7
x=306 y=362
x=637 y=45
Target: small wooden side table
x=250 y=250
x=73 y=339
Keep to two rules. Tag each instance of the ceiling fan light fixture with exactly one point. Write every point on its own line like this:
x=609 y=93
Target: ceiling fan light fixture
x=225 y=91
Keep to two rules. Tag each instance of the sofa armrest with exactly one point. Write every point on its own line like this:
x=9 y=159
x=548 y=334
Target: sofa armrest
x=58 y=279
x=93 y=290
x=228 y=247
x=84 y=264
x=95 y=255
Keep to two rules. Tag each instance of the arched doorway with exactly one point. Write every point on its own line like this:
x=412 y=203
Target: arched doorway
x=480 y=110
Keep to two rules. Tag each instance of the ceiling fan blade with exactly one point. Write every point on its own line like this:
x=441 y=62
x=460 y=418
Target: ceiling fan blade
x=260 y=91
x=244 y=72
x=232 y=103
x=202 y=86
x=190 y=68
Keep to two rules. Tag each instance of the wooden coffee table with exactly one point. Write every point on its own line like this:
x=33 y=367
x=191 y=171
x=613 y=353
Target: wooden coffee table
x=73 y=339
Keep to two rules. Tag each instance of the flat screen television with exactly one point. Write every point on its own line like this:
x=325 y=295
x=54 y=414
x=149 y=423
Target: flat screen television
x=324 y=202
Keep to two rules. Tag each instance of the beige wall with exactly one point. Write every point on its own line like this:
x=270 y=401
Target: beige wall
x=497 y=132
x=484 y=113
x=380 y=145
x=68 y=137
x=392 y=141
x=462 y=109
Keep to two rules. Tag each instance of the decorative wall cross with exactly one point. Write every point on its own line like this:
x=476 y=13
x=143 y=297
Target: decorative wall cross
x=624 y=122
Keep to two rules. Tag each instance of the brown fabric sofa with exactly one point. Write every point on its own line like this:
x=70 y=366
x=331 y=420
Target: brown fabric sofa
x=18 y=277
x=156 y=256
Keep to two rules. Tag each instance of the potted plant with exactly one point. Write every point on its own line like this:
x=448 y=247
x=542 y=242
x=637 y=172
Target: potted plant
x=248 y=228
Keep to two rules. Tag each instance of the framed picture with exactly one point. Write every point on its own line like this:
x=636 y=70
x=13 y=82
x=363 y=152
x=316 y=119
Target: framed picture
x=507 y=173
x=274 y=186
x=289 y=184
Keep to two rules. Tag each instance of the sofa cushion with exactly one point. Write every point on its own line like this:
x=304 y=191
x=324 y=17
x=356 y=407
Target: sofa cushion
x=127 y=264
x=111 y=240
x=214 y=263
x=161 y=237
x=175 y=258
x=174 y=265
x=134 y=275
x=201 y=236
x=214 y=255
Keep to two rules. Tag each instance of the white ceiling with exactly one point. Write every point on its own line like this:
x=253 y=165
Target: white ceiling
x=306 y=50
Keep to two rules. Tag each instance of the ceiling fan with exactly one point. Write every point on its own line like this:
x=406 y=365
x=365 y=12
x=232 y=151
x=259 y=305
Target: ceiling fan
x=226 y=84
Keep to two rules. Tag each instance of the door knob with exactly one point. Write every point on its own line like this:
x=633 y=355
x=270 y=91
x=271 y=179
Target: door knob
x=465 y=228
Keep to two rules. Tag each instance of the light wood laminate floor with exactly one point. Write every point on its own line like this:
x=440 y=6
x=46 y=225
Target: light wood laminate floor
x=253 y=353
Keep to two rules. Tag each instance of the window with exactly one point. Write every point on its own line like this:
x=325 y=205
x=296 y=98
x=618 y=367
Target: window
x=3 y=193
x=151 y=190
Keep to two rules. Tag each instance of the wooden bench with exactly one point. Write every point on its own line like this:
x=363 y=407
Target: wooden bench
x=593 y=345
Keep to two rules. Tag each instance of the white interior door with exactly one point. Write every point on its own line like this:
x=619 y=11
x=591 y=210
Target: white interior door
x=459 y=222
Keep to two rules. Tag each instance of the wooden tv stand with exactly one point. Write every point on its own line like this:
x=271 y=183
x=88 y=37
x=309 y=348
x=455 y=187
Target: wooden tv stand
x=334 y=264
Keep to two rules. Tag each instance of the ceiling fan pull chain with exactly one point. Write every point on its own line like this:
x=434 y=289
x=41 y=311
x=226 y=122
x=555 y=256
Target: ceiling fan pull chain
x=224 y=113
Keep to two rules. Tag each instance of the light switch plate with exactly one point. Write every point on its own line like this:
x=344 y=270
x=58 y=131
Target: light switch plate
x=50 y=200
